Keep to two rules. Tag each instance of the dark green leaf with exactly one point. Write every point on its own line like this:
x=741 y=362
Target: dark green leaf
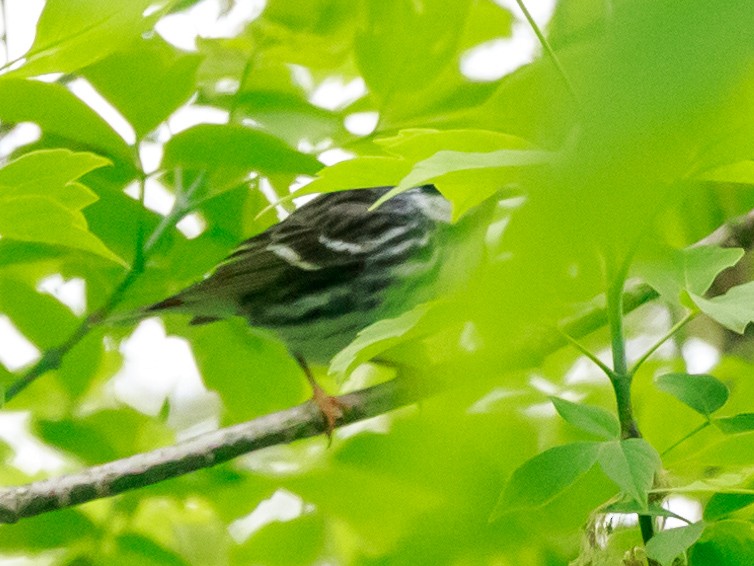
x=743 y=422
x=721 y=505
x=594 y=420
x=703 y=393
x=48 y=531
x=99 y=438
x=727 y=543
x=250 y=370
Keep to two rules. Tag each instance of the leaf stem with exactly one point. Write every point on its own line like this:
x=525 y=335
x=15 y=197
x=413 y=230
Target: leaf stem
x=548 y=49
x=678 y=442
x=675 y=328
x=581 y=348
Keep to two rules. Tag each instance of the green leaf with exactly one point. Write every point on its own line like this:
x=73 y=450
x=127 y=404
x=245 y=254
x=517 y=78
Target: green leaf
x=288 y=116
x=417 y=144
x=632 y=465
x=212 y=146
x=703 y=393
x=666 y=545
x=721 y=505
x=145 y=82
x=41 y=219
x=701 y=264
x=743 y=422
x=741 y=172
x=250 y=370
x=71 y=35
x=403 y=46
x=58 y=112
x=99 y=438
x=364 y=172
x=388 y=333
x=539 y=480
x=27 y=307
x=727 y=543
x=481 y=173
x=50 y=173
x=49 y=531
x=692 y=269
x=271 y=545
x=734 y=309
x=594 y=420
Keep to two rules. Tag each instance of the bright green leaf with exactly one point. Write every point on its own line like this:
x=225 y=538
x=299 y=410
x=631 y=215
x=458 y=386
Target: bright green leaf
x=403 y=46
x=666 y=545
x=145 y=82
x=632 y=465
x=364 y=172
x=379 y=337
x=692 y=269
x=417 y=144
x=50 y=173
x=501 y=167
x=539 y=480
x=734 y=309
x=703 y=393
x=594 y=420
x=212 y=146
x=741 y=172
x=58 y=112
x=71 y=35
x=40 y=219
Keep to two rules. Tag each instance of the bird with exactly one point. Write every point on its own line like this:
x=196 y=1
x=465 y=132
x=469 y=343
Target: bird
x=334 y=266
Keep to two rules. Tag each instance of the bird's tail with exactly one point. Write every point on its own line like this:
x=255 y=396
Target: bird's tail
x=173 y=303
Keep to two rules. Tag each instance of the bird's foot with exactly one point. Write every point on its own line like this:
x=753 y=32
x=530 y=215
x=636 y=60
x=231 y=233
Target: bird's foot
x=330 y=407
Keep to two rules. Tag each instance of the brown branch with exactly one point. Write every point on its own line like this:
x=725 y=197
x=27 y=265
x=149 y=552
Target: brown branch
x=302 y=421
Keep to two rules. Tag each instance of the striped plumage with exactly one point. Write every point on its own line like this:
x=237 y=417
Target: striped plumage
x=330 y=269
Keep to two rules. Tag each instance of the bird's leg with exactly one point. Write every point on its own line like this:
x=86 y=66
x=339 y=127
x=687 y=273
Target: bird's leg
x=330 y=407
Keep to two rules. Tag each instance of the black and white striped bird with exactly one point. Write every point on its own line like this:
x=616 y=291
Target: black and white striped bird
x=333 y=267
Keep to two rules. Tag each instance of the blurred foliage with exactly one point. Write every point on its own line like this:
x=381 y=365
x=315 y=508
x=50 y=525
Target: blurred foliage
x=635 y=145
